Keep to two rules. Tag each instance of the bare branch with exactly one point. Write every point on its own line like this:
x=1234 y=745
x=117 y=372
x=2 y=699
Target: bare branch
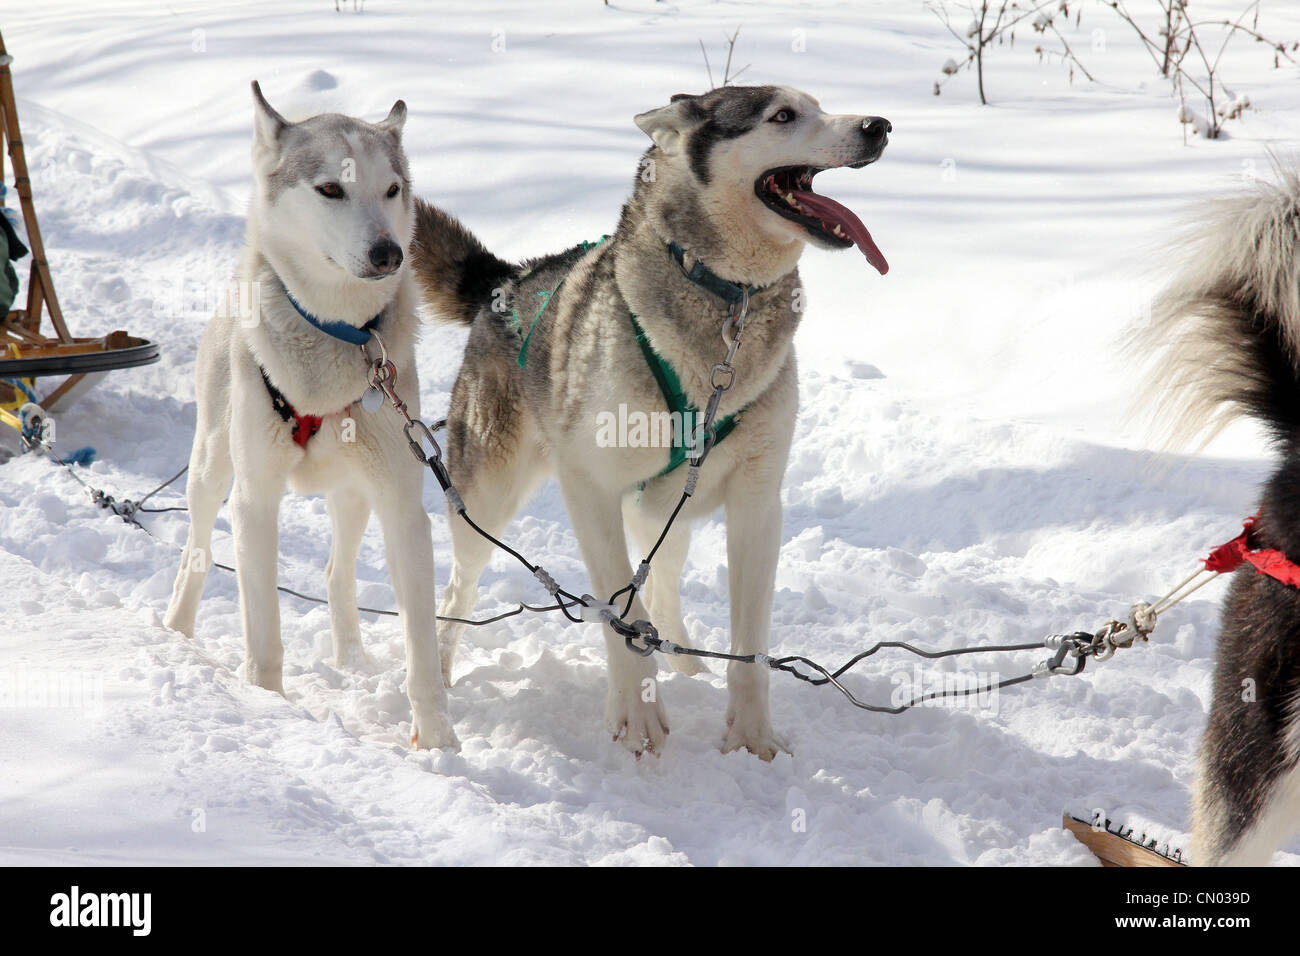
x=706 y=64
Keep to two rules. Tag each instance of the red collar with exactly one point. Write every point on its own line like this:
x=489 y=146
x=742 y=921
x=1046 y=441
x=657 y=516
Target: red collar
x=1270 y=561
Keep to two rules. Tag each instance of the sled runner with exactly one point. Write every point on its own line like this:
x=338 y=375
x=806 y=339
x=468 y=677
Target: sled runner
x=25 y=352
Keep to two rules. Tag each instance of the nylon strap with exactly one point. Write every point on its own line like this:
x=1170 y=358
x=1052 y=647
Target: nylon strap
x=729 y=292
x=339 y=330
x=669 y=382
x=671 y=386
x=304 y=426
x=546 y=297
x=1268 y=561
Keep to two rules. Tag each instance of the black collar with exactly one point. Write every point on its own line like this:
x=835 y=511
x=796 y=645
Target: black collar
x=733 y=293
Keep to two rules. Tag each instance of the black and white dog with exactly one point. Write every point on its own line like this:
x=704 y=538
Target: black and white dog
x=1230 y=329
x=722 y=210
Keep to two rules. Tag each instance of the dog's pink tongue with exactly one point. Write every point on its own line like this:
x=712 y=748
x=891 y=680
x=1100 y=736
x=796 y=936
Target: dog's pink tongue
x=828 y=210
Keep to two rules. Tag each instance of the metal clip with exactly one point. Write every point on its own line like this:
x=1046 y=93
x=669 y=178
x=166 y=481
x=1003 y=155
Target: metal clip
x=417 y=449
x=383 y=375
x=1107 y=640
x=646 y=632
x=724 y=369
x=383 y=350
x=1066 y=645
x=734 y=324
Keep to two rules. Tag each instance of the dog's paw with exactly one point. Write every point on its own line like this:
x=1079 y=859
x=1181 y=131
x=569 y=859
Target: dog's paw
x=640 y=726
x=267 y=678
x=754 y=734
x=433 y=734
x=182 y=626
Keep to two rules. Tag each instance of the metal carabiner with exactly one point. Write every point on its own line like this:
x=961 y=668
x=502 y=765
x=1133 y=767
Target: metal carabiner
x=417 y=447
x=1057 y=664
x=1065 y=644
x=639 y=651
x=642 y=630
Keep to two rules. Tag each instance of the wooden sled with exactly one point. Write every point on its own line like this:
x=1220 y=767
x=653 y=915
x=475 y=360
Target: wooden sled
x=26 y=354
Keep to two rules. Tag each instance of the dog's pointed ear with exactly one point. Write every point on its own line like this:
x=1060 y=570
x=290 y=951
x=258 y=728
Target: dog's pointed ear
x=668 y=125
x=267 y=123
x=395 y=120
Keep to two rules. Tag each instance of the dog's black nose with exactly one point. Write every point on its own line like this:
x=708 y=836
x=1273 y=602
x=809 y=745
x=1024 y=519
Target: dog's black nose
x=876 y=127
x=386 y=255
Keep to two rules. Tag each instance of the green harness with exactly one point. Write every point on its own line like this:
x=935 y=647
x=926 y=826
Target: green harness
x=679 y=405
x=546 y=300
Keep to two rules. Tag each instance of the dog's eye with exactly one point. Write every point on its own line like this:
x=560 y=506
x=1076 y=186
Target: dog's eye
x=393 y=190
x=782 y=116
x=330 y=190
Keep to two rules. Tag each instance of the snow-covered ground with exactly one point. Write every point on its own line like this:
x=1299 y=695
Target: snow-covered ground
x=962 y=471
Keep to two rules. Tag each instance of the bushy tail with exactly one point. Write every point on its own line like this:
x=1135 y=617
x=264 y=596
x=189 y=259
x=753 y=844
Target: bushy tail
x=1227 y=329
x=455 y=272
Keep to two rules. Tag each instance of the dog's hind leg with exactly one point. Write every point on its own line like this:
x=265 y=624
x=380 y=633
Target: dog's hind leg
x=1247 y=796
x=493 y=491
x=662 y=589
x=207 y=482
x=1228 y=834
x=349 y=513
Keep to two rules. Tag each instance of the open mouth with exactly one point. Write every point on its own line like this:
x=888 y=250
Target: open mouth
x=788 y=191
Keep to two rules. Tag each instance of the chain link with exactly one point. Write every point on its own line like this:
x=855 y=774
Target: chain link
x=382 y=375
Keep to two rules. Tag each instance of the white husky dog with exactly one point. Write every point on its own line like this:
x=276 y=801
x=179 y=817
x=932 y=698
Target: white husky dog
x=329 y=227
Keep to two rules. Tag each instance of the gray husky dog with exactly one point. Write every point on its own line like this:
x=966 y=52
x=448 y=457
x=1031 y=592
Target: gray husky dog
x=278 y=381
x=1229 y=329
x=562 y=345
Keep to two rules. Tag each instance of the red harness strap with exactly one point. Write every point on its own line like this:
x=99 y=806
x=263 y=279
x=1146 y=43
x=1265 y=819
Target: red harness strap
x=1270 y=561
x=304 y=426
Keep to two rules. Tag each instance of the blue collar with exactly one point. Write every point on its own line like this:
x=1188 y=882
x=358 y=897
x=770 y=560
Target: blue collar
x=339 y=330
x=730 y=292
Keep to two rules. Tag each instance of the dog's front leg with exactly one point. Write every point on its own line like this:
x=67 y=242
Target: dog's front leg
x=409 y=543
x=349 y=513
x=255 y=513
x=753 y=546
x=634 y=713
